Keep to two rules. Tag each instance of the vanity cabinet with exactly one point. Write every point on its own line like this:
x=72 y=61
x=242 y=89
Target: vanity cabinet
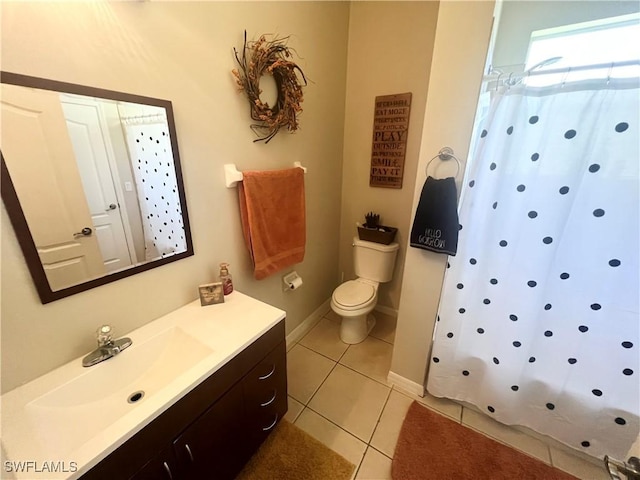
x=213 y=430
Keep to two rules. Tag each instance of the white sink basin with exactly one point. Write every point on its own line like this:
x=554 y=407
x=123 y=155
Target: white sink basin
x=71 y=414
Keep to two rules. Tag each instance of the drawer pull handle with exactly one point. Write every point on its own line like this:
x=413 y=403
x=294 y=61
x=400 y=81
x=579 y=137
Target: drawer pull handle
x=264 y=377
x=186 y=446
x=275 y=420
x=168 y=470
x=269 y=402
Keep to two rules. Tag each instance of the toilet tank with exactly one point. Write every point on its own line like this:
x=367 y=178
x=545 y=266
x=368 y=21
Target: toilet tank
x=374 y=261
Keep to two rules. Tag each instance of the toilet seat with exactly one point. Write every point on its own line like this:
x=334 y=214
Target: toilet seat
x=354 y=295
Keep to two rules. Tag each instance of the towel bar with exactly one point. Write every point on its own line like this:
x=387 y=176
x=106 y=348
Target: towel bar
x=232 y=175
x=445 y=153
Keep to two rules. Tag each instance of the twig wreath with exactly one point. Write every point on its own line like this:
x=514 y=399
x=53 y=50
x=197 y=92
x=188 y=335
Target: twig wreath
x=270 y=57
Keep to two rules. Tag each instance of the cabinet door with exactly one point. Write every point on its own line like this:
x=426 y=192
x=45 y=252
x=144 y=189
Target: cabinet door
x=213 y=447
x=265 y=395
x=161 y=467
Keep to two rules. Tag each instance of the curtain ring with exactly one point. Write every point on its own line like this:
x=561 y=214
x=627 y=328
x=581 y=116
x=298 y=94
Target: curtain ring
x=509 y=81
x=609 y=72
x=498 y=81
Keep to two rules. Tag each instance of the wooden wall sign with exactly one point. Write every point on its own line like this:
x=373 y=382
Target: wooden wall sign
x=390 y=129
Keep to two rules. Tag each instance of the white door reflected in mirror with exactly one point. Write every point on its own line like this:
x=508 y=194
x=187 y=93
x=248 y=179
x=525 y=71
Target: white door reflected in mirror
x=86 y=163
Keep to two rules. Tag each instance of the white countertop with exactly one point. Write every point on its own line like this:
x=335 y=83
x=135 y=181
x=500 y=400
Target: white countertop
x=45 y=438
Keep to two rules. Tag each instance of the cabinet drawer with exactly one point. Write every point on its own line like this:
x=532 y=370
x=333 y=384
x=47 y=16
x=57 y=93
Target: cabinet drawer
x=265 y=392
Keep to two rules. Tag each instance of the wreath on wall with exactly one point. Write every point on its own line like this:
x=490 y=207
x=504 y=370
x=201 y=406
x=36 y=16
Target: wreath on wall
x=270 y=57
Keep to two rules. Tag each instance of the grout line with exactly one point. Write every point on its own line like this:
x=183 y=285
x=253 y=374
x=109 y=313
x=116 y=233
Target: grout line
x=344 y=353
x=321 y=383
x=357 y=469
x=339 y=426
x=380 y=452
x=365 y=375
x=388 y=396
x=346 y=366
x=386 y=401
x=319 y=353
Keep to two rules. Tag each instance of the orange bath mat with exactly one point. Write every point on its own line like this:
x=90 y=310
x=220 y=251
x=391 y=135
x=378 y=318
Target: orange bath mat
x=433 y=447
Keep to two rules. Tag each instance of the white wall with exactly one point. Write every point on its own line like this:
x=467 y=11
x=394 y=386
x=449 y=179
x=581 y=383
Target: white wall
x=180 y=51
x=390 y=46
x=461 y=40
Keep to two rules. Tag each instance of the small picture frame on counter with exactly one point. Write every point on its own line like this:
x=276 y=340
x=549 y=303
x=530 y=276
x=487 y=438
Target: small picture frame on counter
x=211 y=293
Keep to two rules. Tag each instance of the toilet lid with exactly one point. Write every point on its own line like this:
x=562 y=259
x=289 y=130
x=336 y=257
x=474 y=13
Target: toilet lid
x=353 y=293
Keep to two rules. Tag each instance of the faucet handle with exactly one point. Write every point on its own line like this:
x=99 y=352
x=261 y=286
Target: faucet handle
x=104 y=335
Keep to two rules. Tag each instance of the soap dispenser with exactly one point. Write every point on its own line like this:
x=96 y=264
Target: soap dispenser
x=225 y=278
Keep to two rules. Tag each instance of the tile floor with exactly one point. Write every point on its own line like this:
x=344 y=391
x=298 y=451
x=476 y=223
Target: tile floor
x=339 y=394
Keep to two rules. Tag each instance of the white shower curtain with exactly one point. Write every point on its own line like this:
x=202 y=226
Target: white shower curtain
x=538 y=323
x=154 y=171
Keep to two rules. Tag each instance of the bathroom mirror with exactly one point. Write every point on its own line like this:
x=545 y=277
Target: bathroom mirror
x=91 y=181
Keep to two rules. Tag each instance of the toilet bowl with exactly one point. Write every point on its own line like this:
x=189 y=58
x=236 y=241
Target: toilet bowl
x=354 y=300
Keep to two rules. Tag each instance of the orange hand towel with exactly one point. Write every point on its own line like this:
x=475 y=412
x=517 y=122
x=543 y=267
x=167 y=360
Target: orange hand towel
x=272 y=209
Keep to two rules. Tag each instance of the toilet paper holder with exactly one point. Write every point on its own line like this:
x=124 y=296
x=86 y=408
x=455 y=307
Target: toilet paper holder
x=292 y=281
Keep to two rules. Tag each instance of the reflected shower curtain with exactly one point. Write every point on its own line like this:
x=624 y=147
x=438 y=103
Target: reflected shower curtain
x=539 y=318
x=152 y=160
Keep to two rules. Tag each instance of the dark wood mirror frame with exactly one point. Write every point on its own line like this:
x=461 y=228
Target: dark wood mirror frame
x=16 y=214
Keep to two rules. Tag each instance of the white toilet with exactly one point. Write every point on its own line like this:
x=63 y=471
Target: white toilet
x=354 y=300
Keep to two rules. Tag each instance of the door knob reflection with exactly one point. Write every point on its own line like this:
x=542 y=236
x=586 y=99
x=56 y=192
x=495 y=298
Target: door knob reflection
x=85 y=232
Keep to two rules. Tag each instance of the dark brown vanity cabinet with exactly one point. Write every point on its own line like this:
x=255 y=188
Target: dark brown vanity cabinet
x=213 y=430
x=265 y=400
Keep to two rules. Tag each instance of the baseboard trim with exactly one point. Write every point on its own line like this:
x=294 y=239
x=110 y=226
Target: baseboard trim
x=308 y=323
x=406 y=384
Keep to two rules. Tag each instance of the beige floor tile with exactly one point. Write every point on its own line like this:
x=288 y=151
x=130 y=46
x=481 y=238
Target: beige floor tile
x=351 y=401
x=324 y=338
x=385 y=328
x=295 y=409
x=332 y=436
x=577 y=466
x=372 y=358
x=441 y=405
x=387 y=431
x=306 y=370
x=374 y=466
x=505 y=434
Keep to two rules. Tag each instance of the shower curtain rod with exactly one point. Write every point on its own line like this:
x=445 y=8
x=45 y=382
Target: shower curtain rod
x=567 y=70
x=139 y=119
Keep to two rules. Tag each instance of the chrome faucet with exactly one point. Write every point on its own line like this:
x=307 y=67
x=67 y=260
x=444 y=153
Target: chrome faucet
x=630 y=469
x=107 y=346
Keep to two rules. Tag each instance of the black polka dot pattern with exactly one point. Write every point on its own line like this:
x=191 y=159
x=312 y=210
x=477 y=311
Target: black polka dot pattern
x=535 y=290
x=622 y=127
x=156 y=182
